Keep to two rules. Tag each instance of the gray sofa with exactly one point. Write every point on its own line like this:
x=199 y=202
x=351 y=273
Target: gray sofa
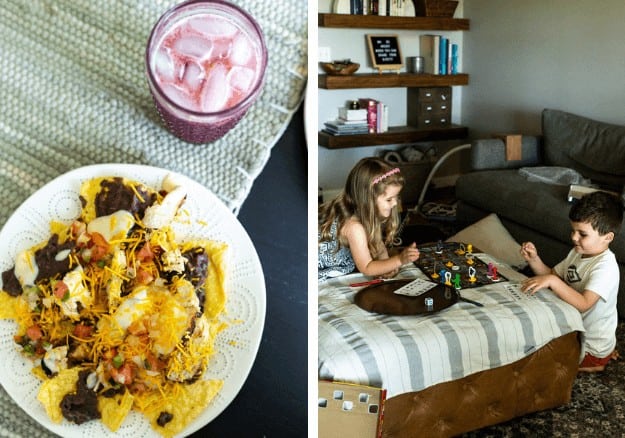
x=538 y=211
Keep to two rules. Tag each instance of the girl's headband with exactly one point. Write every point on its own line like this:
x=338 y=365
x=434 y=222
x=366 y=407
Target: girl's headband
x=377 y=179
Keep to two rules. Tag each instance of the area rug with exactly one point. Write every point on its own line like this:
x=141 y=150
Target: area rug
x=596 y=408
x=73 y=93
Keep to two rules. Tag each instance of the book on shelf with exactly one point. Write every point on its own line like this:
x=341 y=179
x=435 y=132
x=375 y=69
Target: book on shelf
x=392 y=8
x=429 y=48
x=382 y=118
x=442 y=57
x=372 y=113
x=454 y=59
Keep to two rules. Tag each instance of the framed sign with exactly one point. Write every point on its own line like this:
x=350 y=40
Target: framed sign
x=384 y=52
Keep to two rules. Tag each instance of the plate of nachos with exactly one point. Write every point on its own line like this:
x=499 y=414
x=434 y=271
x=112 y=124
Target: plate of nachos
x=132 y=303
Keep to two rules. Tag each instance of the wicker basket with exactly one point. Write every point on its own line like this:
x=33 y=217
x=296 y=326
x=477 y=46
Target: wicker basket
x=435 y=8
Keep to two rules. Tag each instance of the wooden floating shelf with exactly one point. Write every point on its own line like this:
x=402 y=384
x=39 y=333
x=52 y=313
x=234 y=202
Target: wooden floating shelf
x=395 y=135
x=401 y=23
x=388 y=80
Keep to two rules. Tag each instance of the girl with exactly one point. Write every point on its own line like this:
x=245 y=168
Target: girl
x=356 y=228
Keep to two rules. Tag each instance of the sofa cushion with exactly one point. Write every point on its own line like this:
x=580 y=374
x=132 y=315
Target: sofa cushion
x=588 y=145
x=511 y=196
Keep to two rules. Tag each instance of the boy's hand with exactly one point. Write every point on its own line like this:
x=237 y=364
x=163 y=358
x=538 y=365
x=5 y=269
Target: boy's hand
x=409 y=254
x=528 y=251
x=534 y=284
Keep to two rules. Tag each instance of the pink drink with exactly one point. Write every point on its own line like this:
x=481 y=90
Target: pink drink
x=206 y=61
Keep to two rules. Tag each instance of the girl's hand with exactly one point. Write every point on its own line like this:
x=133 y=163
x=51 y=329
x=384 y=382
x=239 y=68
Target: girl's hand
x=528 y=251
x=391 y=274
x=409 y=254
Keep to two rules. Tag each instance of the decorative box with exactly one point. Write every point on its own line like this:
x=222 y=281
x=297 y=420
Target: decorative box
x=428 y=107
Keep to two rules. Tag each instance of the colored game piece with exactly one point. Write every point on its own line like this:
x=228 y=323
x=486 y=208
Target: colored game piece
x=457 y=282
x=470 y=261
x=449 y=264
x=447 y=278
x=439 y=247
x=494 y=277
x=472 y=273
x=470 y=248
x=490 y=270
x=435 y=274
x=460 y=250
x=442 y=275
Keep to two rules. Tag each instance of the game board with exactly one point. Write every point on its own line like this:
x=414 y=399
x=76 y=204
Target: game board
x=451 y=262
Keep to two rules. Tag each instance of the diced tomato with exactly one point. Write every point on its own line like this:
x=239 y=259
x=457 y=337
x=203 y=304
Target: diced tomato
x=97 y=253
x=144 y=276
x=99 y=240
x=99 y=247
x=83 y=331
x=123 y=374
x=60 y=289
x=145 y=254
x=78 y=228
x=34 y=332
x=137 y=327
x=153 y=363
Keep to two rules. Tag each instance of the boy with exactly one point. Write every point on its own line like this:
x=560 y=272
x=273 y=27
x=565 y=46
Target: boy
x=588 y=277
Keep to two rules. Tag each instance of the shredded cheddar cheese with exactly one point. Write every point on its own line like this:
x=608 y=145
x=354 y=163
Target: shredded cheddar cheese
x=126 y=311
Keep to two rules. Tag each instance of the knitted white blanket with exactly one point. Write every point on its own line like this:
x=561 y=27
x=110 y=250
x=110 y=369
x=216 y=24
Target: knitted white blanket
x=73 y=92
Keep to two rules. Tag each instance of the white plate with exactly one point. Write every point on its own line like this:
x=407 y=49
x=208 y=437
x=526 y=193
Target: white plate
x=236 y=346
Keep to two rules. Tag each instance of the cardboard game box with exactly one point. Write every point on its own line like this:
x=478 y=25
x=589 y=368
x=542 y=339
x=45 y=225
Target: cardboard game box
x=348 y=410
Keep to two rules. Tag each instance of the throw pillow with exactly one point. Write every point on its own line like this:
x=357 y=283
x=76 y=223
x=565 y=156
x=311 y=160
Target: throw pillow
x=490 y=236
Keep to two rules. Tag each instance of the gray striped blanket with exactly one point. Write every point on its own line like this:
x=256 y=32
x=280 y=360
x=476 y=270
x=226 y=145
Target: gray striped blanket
x=410 y=353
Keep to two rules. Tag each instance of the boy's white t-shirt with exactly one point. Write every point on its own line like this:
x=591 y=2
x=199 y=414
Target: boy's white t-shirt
x=599 y=274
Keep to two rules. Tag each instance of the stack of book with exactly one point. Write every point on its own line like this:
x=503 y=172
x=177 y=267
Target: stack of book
x=440 y=56
x=371 y=118
x=349 y=122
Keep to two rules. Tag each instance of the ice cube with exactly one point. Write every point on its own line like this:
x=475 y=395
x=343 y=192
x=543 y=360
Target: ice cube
x=192 y=77
x=241 y=50
x=164 y=65
x=213 y=26
x=194 y=46
x=241 y=78
x=177 y=95
x=221 y=49
x=216 y=91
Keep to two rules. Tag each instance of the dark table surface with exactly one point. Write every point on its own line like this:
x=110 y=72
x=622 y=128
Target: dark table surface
x=273 y=400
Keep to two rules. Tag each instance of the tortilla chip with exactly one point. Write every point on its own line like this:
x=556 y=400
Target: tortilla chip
x=53 y=390
x=215 y=299
x=191 y=401
x=89 y=190
x=115 y=409
x=7 y=306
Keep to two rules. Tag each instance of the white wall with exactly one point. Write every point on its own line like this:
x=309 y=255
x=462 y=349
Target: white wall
x=334 y=165
x=560 y=54
x=521 y=57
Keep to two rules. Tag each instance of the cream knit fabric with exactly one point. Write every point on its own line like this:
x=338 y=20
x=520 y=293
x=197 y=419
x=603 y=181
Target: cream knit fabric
x=73 y=92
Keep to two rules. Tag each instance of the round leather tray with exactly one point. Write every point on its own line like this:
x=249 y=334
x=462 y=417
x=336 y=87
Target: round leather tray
x=381 y=298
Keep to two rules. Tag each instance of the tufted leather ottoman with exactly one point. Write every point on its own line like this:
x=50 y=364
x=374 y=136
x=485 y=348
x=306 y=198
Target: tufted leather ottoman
x=540 y=381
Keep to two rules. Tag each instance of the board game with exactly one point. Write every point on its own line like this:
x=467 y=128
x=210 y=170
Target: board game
x=454 y=264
